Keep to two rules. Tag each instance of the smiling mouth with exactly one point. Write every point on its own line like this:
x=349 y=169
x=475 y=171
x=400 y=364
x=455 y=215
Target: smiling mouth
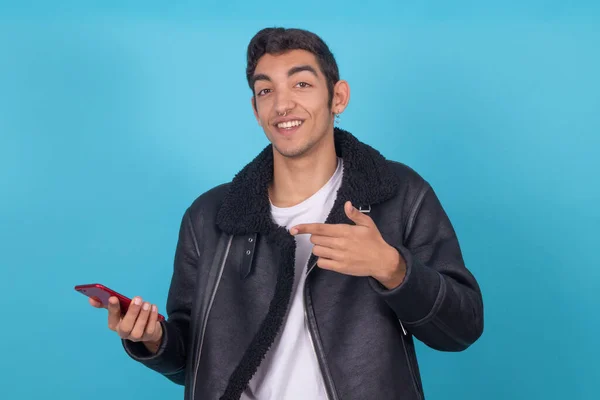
x=289 y=124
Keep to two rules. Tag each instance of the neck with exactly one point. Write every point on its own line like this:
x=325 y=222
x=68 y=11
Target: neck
x=297 y=179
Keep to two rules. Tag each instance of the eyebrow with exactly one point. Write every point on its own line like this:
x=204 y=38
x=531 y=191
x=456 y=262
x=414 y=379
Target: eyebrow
x=292 y=71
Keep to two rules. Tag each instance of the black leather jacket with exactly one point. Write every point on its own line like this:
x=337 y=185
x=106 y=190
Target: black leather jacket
x=234 y=270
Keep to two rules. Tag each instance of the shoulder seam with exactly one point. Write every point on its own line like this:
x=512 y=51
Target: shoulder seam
x=415 y=209
x=189 y=219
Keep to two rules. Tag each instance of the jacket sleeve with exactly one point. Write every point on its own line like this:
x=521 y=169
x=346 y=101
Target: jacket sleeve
x=439 y=300
x=170 y=359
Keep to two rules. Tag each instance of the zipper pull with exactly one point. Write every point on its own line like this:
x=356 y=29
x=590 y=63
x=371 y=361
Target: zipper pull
x=403 y=330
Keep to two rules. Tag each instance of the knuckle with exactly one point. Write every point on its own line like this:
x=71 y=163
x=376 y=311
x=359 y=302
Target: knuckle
x=136 y=334
x=123 y=330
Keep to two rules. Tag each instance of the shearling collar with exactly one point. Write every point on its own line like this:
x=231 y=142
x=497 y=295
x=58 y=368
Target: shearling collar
x=366 y=180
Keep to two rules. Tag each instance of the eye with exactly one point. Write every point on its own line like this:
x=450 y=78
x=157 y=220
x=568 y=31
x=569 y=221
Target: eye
x=303 y=84
x=263 y=92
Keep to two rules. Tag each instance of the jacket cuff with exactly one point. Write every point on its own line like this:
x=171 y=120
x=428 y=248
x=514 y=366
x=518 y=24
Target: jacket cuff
x=165 y=360
x=416 y=300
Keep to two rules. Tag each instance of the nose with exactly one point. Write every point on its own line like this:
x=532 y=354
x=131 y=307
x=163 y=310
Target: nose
x=283 y=102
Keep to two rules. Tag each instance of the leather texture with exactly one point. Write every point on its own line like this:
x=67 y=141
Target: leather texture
x=232 y=280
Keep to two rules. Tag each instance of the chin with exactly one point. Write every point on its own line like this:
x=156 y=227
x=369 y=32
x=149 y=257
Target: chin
x=292 y=151
x=296 y=147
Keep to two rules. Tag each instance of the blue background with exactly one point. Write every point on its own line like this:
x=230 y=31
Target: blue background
x=113 y=118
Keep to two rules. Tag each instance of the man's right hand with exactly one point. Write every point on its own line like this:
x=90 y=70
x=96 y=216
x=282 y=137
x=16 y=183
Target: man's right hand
x=139 y=324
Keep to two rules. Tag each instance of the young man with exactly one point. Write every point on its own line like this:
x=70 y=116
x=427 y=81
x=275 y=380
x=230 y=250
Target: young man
x=308 y=275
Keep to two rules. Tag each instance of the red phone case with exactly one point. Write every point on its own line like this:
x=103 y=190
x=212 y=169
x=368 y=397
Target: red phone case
x=101 y=293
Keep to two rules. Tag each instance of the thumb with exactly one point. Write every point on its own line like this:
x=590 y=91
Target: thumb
x=356 y=216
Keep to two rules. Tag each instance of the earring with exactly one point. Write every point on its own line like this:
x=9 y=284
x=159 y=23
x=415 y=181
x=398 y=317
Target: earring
x=337 y=118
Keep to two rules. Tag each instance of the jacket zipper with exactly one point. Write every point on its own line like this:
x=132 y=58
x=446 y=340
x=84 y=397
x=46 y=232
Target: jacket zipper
x=409 y=361
x=204 y=322
x=328 y=380
x=327 y=377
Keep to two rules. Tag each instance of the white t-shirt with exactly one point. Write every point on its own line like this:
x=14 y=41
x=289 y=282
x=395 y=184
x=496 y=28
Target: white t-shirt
x=290 y=370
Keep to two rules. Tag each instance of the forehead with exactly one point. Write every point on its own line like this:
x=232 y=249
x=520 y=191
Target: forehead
x=279 y=64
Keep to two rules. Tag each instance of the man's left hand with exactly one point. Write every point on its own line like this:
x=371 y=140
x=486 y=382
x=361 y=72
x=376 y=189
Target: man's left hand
x=357 y=250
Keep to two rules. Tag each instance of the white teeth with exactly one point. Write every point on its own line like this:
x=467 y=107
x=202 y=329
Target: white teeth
x=289 y=124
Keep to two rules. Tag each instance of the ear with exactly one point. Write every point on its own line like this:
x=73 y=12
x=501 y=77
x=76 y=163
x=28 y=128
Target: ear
x=341 y=97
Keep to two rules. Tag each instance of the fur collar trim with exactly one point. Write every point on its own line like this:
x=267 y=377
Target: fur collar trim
x=367 y=180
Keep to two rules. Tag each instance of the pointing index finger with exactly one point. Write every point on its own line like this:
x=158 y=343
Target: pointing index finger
x=305 y=229
x=316 y=229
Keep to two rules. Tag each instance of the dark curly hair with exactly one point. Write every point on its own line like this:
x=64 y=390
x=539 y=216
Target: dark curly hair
x=280 y=40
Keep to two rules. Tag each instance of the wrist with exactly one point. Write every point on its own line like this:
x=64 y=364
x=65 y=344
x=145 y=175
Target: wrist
x=393 y=270
x=152 y=347
x=154 y=344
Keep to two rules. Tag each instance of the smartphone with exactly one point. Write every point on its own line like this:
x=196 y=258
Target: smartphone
x=101 y=293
